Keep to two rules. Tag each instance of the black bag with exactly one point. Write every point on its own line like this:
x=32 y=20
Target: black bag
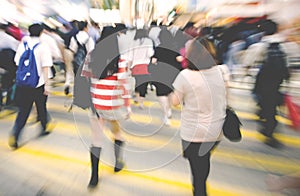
x=82 y=95
x=231 y=126
x=79 y=56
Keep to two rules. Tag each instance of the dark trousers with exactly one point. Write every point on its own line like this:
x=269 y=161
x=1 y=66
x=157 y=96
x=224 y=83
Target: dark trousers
x=25 y=97
x=198 y=155
x=268 y=113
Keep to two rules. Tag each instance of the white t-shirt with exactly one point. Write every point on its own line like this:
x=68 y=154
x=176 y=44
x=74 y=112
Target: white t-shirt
x=141 y=51
x=42 y=55
x=204 y=104
x=83 y=38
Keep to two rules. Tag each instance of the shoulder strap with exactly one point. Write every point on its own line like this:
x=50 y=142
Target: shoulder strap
x=25 y=45
x=79 y=42
x=35 y=46
x=82 y=45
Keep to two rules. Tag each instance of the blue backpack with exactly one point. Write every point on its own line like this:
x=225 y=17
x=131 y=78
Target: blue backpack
x=27 y=73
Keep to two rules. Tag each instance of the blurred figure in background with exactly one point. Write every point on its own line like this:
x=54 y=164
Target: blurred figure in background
x=268 y=80
x=8 y=47
x=71 y=30
x=140 y=55
x=94 y=31
x=82 y=38
x=164 y=71
x=14 y=31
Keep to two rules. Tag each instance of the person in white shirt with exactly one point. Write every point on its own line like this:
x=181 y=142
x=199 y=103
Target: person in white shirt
x=26 y=96
x=201 y=90
x=83 y=38
x=140 y=55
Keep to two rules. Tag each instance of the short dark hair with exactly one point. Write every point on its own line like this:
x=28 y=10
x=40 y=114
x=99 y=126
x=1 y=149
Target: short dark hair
x=82 y=25
x=269 y=27
x=35 y=30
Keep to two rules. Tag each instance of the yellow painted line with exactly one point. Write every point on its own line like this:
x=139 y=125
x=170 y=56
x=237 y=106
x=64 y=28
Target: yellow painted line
x=240 y=158
x=249 y=116
x=289 y=140
x=243 y=115
x=292 y=141
x=226 y=190
x=60 y=94
x=257 y=161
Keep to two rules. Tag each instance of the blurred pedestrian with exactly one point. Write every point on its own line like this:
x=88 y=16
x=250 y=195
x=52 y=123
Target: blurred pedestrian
x=268 y=80
x=140 y=54
x=8 y=47
x=82 y=38
x=164 y=71
x=71 y=30
x=201 y=90
x=95 y=31
x=25 y=96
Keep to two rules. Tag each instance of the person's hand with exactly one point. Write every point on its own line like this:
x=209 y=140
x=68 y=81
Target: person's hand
x=154 y=60
x=179 y=59
x=46 y=90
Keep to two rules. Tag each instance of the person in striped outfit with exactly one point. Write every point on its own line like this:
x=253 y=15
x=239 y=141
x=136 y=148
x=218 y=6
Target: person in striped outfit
x=107 y=91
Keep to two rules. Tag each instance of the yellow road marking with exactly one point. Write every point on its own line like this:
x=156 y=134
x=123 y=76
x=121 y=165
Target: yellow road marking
x=163 y=178
x=253 y=160
x=292 y=141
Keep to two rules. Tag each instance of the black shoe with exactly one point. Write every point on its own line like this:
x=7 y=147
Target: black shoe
x=49 y=128
x=94 y=155
x=93 y=182
x=274 y=143
x=119 y=166
x=44 y=133
x=262 y=131
x=67 y=90
x=12 y=142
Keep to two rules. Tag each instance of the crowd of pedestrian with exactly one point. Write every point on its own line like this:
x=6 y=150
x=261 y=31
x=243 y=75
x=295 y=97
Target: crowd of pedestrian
x=185 y=66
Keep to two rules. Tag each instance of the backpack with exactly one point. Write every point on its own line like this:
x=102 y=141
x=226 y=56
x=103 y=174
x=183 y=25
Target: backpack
x=27 y=73
x=79 y=56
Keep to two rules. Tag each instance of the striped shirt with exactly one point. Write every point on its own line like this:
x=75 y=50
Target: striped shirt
x=107 y=93
x=111 y=92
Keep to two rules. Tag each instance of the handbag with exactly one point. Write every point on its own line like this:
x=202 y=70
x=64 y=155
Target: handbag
x=232 y=125
x=293 y=112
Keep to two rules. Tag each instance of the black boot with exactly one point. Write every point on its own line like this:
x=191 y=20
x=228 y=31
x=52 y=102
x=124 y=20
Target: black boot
x=119 y=165
x=95 y=154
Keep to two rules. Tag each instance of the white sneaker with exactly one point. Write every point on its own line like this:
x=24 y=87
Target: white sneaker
x=169 y=114
x=166 y=121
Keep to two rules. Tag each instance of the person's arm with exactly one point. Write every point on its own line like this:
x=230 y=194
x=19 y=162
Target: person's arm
x=46 y=63
x=45 y=71
x=73 y=45
x=176 y=97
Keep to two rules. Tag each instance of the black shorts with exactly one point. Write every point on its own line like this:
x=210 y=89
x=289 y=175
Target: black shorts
x=162 y=89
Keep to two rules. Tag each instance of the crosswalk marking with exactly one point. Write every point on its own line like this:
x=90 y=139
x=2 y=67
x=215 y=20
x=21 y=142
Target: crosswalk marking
x=241 y=114
x=214 y=188
x=241 y=158
x=292 y=141
x=254 y=160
